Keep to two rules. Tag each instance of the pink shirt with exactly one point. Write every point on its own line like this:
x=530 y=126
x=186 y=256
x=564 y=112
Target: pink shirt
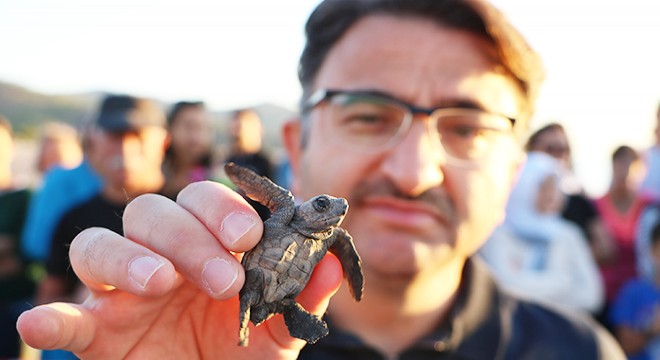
x=621 y=226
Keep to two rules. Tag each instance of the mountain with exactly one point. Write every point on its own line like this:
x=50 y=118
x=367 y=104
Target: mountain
x=27 y=110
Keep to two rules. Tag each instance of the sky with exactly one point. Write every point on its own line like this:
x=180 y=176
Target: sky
x=602 y=58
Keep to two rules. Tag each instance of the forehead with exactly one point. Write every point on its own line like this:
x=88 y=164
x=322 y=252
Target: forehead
x=418 y=61
x=554 y=136
x=142 y=132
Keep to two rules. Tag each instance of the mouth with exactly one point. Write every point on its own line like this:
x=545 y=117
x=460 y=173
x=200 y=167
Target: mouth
x=337 y=220
x=406 y=213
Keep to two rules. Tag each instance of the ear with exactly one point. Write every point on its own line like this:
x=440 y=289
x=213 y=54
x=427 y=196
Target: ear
x=291 y=135
x=168 y=141
x=516 y=167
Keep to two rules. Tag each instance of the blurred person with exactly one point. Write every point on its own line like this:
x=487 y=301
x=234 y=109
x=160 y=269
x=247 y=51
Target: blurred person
x=650 y=186
x=552 y=140
x=61 y=189
x=650 y=192
x=619 y=208
x=413 y=111
x=59 y=146
x=538 y=254
x=635 y=313
x=16 y=285
x=246 y=136
x=188 y=154
x=128 y=144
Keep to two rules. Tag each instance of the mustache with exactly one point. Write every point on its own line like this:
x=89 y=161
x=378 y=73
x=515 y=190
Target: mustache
x=435 y=199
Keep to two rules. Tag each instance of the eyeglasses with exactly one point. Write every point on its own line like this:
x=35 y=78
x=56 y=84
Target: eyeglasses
x=372 y=121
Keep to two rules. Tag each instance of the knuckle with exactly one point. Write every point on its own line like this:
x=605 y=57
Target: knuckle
x=85 y=250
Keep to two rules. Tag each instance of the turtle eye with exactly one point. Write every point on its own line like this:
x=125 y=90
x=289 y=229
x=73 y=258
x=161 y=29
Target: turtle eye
x=321 y=204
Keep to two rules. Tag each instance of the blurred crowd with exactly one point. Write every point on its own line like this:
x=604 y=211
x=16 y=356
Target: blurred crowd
x=596 y=255
x=130 y=147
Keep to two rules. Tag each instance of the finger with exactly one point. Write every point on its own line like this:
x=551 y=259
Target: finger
x=101 y=257
x=171 y=231
x=57 y=326
x=224 y=212
x=324 y=283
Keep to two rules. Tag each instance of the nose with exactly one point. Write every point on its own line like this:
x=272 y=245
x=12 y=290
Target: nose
x=130 y=145
x=414 y=164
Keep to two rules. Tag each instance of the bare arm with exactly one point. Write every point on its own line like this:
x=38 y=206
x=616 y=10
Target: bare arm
x=632 y=341
x=602 y=244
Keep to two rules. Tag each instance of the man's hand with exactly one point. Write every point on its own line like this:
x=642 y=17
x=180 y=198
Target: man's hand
x=169 y=288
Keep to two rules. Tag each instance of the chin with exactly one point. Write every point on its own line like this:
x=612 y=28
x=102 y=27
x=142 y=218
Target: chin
x=401 y=256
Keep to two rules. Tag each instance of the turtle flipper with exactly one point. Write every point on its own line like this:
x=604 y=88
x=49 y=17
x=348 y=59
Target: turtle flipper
x=244 y=317
x=261 y=189
x=304 y=325
x=248 y=296
x=343 y=248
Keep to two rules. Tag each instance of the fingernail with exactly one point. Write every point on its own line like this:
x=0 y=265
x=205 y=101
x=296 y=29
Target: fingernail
x=142 y=269
x=235 y=225
x=218 y=276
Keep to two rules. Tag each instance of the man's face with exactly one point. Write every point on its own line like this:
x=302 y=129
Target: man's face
x=554 y=143
x=410 y=210
x=129 y=160
x=247 y=132
x=192 y=134
x=628 y=171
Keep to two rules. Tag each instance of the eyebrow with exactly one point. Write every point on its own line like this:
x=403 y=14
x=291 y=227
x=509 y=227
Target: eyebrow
x=446 y=103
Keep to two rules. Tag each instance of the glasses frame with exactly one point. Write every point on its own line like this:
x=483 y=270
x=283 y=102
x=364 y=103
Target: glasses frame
x=322 y=95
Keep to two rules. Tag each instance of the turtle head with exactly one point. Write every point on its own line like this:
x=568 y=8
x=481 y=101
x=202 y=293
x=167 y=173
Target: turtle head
x=321 y=213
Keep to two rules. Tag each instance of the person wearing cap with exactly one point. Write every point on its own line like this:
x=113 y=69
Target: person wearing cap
x=126 y=148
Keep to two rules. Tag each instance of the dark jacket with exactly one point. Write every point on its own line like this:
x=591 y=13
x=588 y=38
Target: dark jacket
x=486 y=323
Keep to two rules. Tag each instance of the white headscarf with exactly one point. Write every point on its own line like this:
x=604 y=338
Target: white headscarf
x=522 y=216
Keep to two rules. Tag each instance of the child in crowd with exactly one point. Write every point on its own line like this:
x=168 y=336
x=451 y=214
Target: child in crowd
x=635 y=314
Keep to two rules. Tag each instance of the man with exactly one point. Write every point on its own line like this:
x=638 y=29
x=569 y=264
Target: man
x=62 y=189
x=127 y=147
x=425 y=191
x=650 y=214
x=246 y=133
x=16 y=283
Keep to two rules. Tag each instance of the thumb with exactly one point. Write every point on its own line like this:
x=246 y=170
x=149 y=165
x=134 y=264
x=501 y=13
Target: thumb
x=323 y=284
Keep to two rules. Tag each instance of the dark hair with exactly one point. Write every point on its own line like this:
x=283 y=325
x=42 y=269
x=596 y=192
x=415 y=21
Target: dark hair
x=176 y=109
x=180 y=106
x=332 y=19
x=624 y=150
x=533 y=139
x=655 y=234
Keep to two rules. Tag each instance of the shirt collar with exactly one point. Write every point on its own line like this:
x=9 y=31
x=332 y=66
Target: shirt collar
x=472 y=331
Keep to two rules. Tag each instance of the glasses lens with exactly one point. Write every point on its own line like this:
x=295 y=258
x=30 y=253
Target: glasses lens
x=469 y=134
x=366 y=120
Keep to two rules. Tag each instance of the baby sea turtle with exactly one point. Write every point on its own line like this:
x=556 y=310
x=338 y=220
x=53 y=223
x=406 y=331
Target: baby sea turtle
x=295 y=239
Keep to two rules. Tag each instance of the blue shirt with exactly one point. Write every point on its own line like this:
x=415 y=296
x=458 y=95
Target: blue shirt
x=634 y=307
x=62 y=190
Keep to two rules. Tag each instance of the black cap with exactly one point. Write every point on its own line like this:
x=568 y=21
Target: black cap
x=122 y=113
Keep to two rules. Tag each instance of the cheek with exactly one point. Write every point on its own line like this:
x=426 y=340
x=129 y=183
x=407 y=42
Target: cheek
x=326 y=167
x=484 y=195
x=325 y=170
